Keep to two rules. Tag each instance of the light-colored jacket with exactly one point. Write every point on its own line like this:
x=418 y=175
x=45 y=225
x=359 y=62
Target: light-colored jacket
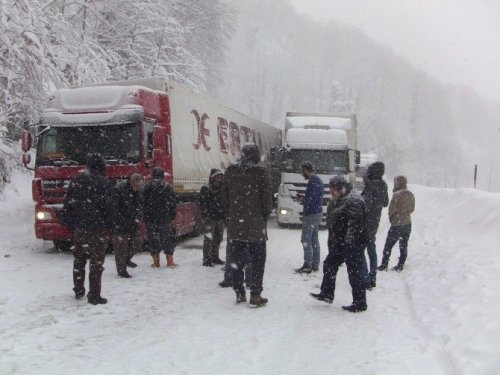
x=402 y=203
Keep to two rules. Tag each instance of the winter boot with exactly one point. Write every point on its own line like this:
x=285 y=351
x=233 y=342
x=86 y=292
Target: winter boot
x=306 y=268
x=218 y=261
x=97 y=300
x=131 y=264
x=225 y=284
x=398 y=268
x=322 y=297
x=354 y=308
x=170 y=261
x=207 y=263
x=79 y=293
x=257 y=301
x=383 y=266
x=156 y=261
x=124 y=275
x=241 y=297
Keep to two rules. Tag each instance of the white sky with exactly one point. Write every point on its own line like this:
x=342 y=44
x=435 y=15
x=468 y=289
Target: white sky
x=456 y=41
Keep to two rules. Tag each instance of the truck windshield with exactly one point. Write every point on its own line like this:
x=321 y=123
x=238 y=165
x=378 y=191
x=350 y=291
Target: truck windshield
x=118 y=144
x=324 y=161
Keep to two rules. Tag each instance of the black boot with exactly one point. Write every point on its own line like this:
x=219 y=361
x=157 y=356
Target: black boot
x=208 y=263
x=358 y=301
x=241 y=297
x=225 y=284
x=398 y=268
x=306 y=268
x=321 y=297
x=79 y=293
x=353 y=308
x=218 y=261
x=131 y=264
x=124 y=275
x=97 y=300
x=257 y=301
x=382 y=267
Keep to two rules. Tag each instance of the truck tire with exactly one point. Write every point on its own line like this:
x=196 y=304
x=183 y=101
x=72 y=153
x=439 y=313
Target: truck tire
x=63 y=246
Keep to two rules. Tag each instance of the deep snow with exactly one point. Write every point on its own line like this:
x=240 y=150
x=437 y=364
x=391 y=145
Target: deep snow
x=440 y=316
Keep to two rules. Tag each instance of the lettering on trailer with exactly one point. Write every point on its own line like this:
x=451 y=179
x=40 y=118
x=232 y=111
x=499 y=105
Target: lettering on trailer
x=229 y=134
x=202 y=131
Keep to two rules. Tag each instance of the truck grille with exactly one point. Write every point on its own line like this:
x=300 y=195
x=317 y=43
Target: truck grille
x=55 y=190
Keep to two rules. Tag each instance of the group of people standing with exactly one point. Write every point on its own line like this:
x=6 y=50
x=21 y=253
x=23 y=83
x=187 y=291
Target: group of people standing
x=241 y=199
x=352 y=221
x=98 y=213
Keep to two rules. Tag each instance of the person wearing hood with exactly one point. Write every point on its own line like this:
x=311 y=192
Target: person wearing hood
x=400 y=209
x=345 y=220
x=376 y=197
x=126 y=216
x=160 y=205
x=215 y=216
x=86 y=212
x=246 y=195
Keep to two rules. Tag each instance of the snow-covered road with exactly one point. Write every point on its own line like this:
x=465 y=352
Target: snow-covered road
x=440 y=316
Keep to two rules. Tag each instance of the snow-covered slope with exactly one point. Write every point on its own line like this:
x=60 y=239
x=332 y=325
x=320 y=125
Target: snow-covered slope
x=439 y=316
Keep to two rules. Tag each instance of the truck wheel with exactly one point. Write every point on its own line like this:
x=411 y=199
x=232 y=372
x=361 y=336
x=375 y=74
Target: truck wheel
x=63 y=246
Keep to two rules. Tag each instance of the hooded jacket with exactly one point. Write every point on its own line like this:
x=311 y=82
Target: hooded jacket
x=402 y=203
x=211 y=198
x=246 y=196
x=375 y=196
x=160 y=201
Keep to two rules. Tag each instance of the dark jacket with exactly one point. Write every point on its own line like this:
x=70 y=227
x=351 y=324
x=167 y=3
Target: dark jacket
x=375 y=196
x=246 y=195
x=126 y=208
x=313 y=199
x=159 y=202
x=86 y=206
x=211 y=201
x=346 y=219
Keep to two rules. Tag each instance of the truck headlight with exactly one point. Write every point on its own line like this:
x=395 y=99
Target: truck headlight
x=285 y=211
x=44 y=215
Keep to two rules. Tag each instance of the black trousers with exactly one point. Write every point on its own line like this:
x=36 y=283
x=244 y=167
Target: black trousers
x=399 y=233
x=125 y=245
x=212 y=240
x=243 y=253
x=356 y=270
x=89 y=246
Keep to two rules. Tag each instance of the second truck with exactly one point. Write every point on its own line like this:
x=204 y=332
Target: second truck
x=328 y=142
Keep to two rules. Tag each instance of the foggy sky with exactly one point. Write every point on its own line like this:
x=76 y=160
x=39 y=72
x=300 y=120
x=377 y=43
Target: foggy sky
x=456 y=41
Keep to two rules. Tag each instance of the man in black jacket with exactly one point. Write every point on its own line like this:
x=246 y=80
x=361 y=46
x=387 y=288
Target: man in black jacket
x=160 y=205
x=376 y=197
x=126 y=216
x=215 y=216
x=86 y=213
x=346 y=216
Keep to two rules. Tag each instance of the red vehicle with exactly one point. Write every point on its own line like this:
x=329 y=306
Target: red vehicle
x=136 y=125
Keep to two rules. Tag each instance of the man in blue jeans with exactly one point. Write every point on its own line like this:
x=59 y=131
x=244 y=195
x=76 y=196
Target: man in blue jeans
x=313 y=213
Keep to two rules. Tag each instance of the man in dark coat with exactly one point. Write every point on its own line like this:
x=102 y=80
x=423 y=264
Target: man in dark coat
x=400 y=209
x=214 y=214
x=346 y=219
x=376 y=197
x=126 y=217
x=246 y=195
x=86 y=213
x=160 y=205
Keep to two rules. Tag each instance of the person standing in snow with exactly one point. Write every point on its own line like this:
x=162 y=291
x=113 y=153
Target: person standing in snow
x=313 y=213
x=376 y=197
x=214 y=214
x=346 y=220
x=86 y=213
x=160 y=205
x=246 y=195
x=400 y=209
x=126 y=216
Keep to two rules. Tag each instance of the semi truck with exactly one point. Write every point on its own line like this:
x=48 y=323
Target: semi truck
x=135 y=125
x=329 y=143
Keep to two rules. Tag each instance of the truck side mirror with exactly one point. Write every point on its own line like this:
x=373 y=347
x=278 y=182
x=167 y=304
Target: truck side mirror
x=158 y=138
x=26 y=159
x=26 y=141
